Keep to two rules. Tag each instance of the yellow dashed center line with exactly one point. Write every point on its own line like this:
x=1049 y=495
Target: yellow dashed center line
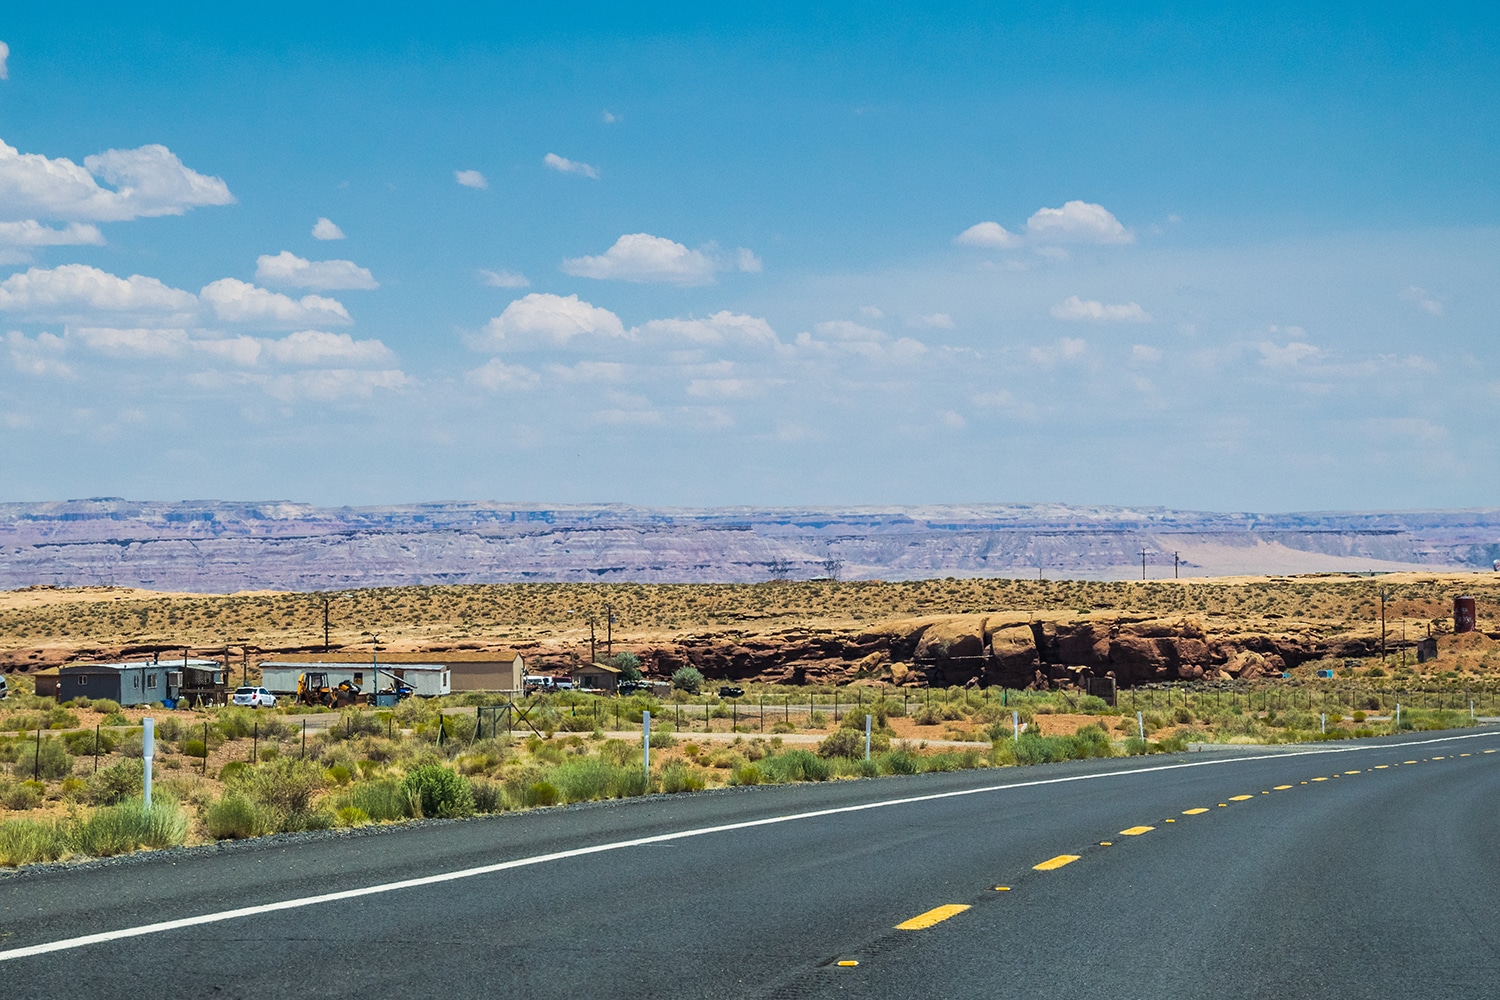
x=1194 y=812
x=1002 y=888
x=1489 y=751
x=1282 y=788
x=1106 y=843
x=1051 y=864
x=1239 y=798
x=848 y=963
x=1136 y=831
x=1381 y=767
x=1440 y=758
x=1353 y=772
x=1466 y=755
x=1320 y=779
x=1408 y=762
x=936 y=915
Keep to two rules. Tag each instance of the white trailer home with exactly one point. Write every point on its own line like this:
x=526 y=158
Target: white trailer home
x=425 y=679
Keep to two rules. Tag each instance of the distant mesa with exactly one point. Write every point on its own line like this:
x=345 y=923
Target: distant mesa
x=222 y=546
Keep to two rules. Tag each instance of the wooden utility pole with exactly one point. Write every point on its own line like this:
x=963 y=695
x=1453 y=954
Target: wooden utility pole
x=1175 y=563
x=1143 y=564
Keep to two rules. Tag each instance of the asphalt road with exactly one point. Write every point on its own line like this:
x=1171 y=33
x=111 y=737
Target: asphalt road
x=1367 y=872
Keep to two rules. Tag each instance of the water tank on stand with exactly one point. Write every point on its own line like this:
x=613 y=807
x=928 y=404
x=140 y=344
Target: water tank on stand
x=1465 y=618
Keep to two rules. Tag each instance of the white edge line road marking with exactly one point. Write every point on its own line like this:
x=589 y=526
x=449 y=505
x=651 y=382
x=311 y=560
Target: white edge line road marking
x=67 y=944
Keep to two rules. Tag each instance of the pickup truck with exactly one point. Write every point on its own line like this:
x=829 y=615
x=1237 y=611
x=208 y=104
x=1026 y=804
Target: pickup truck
x=731 y=691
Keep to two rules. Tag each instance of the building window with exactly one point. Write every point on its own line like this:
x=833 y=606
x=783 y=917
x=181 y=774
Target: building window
x=150 y=680
x=359 y=677
x=83 y=680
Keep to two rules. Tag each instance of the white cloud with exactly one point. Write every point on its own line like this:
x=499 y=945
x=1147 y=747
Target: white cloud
x=149 y=181
x=1066 y=349
x=315 y=347
x=243 y=351
x=4 y=58
x=746 y=261
x=953 y=420
x=31 y=233
x=542 y=319
x=334 y=384
x=236 y=301
x=286 y=268
x=722 y=327
x=496 y=376
x=1292 y=354
x=39 y=358
x=134 y=342
x=934 y=321
x=608 y=117
x=63 y=290
x=871 y=312
x=641 y=257
x=325 y=229
x=987 y=234
x=725 y=388
x=504 y=279
x=566 y=166
x=1418 y=297
x=471 y=179
x=1144 y=354
x=1074 y=308
x=841 y=336
x=589 y=371
x=1077 y=222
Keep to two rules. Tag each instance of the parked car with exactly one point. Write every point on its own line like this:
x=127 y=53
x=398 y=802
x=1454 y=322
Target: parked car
x=254 y=697
x=731 y=691
x=4 y=689
x=631 y=687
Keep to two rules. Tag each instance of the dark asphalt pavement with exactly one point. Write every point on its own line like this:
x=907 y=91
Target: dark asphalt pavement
x=1380 y=880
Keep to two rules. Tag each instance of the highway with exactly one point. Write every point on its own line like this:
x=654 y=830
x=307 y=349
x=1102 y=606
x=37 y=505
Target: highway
x=1367 y=869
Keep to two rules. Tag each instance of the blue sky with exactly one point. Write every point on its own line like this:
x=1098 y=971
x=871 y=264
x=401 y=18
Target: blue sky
x=1179 y=255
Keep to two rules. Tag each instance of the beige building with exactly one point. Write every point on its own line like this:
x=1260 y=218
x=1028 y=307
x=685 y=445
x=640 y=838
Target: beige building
x=597 y=677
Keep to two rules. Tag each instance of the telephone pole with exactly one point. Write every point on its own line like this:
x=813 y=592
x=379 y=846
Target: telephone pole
x=1143 y=564
x=1175 y=563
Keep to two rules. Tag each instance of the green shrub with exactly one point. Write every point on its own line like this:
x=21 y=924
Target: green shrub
x=1089 y=741
x=83 y=744
x=900 y=762
x=866 y=768
x=52 y=760
x=130 y=826
x=593 y=778
x=796 y=765
x=232 y=817
x=119 y=781
x=689 y=679
x=439 y=792
x=27 y=841
x=382 y=799
x=628 y=664
x=235 y=722
x=351 y=816
x=488 y=795
x=681 y=777
x=746 y=774
x=542 y=793
x=194 y=748
x=284 y=790
x=105 y=705
x=842 y=743
x=115 y=718
x=661 y=739
x=22 y=795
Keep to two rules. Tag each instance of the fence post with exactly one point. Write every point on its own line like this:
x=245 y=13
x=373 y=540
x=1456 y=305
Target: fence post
x=96 y=748
x=148 y=751
x=36 y=763
x=255 y=743
x=304 y=740
x=205 y=743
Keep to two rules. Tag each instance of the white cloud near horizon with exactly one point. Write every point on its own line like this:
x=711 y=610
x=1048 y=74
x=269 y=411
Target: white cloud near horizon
x=504 y=279
x=1077 y=222
x=1419 y=297
x=30 y=233
x=286 y=268
x=471 y=179
x=932 y=321
x=545 y=320
x=564 y=165
x=645 y=259
x=497 y=376
x=326 y=229
x=1075 y=309
x=988 y=234
x=149 y=181
x=4 y=61
x=53 y=292
x=235 y=301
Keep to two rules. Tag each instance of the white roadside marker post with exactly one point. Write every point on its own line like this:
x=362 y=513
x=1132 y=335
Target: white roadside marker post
x=1140 y=723
x=148 y=750
x=1398 y=715
x=1015 y=724
x=1324 y=718
x=646 y=746
x=867 y=737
